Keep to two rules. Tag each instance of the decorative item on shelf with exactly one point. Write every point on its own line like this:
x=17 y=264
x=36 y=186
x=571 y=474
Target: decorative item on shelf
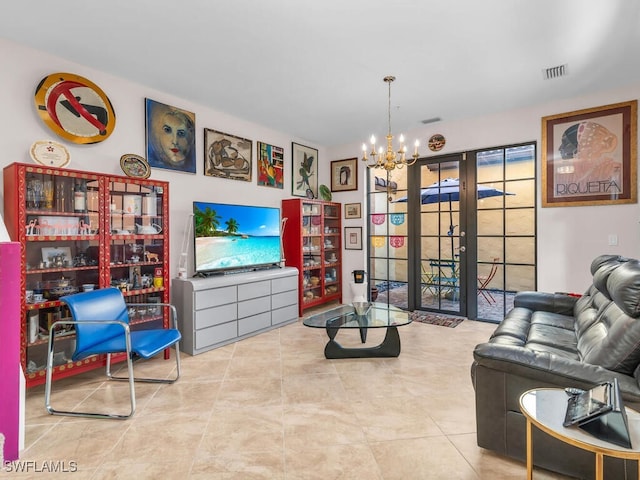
x=158 y=281
x=80 y=196
x=49 y=153
x=151 y=257
x=325 y=193
x=390 y=159
x=135 y=166
x=132 y=204
x=150 y=204
x=34 y=192
x=152 y=229
x=47 y=191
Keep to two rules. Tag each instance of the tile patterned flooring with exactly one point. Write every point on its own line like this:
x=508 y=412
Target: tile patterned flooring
x=272 y=407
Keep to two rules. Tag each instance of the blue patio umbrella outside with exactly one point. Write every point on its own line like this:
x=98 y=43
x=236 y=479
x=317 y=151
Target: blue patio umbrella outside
x=448 y=190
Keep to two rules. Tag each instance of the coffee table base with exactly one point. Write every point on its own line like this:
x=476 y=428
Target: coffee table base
x=390 y=346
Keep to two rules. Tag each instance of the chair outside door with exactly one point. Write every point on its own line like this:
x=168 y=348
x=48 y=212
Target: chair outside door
x=485 y=280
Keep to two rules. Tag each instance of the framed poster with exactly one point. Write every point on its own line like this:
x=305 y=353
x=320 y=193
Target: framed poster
x=304 y=181
x=589 y=157
x=227 y=156
x=344 y=175
x=270 y=165
x=352 y=210
x=171 y=137
x=353 y=238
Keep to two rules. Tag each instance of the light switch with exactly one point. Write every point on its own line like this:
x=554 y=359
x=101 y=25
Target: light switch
x=613 y=239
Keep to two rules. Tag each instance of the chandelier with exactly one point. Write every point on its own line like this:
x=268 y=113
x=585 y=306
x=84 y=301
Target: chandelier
x=390 y=159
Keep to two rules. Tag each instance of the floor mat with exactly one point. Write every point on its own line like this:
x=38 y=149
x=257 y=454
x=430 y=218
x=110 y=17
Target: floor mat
x=435 y=319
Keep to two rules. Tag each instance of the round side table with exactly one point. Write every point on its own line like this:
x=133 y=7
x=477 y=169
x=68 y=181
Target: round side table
x=545 y=408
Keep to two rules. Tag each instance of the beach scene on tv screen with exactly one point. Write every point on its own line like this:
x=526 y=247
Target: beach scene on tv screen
x=235 y=236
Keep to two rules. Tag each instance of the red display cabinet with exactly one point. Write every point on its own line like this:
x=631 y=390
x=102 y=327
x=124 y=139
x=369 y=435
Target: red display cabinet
x=81 y=230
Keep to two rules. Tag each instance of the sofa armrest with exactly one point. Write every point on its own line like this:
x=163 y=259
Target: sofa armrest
x=547 y=367
x=546 y=302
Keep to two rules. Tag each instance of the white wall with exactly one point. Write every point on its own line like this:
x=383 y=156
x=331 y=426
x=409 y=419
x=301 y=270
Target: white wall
x=568 y=237
x=20 y=126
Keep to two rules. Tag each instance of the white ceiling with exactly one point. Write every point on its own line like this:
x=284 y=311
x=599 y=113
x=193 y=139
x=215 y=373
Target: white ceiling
x=314 y=69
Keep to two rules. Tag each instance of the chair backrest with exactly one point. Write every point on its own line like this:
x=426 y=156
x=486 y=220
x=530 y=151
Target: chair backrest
x=98 y=305
x=492 y=273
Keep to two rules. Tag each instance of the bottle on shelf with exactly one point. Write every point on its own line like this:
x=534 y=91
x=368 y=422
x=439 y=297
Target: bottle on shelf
x=80 y=197
x=60 y=196
x=47 y=191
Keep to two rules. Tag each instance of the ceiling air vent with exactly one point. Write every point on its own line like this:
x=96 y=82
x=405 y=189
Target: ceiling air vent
x=431 y=120
x=554 y=72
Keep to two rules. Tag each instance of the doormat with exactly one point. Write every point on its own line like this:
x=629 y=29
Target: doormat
x=435 y=319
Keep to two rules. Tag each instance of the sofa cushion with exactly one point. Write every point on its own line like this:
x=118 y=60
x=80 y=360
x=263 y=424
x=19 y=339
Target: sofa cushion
x=611 y=339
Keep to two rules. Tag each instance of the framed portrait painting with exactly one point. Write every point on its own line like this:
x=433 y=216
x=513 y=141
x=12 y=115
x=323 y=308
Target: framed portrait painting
x=344 y=175
x=353 y=238
x=170 y=135
x=305 y=171
x=270 y=165
x=589 y=157
x=227 y=156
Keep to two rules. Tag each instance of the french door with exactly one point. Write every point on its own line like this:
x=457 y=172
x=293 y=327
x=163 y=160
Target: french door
x=456 y=233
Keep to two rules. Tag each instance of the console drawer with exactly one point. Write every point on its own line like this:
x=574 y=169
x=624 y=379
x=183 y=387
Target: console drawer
x=215 y=316
x=214 y=297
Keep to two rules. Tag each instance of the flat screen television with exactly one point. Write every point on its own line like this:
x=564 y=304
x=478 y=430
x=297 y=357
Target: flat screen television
x=235 y=237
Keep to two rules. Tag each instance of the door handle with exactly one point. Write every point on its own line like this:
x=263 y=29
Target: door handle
x=462 y=249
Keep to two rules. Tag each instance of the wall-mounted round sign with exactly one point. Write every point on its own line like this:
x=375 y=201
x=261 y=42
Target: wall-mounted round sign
x=75 y=108
x=436 y=142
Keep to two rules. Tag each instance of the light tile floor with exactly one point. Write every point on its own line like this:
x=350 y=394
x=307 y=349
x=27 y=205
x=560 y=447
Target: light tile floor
x=272 y=407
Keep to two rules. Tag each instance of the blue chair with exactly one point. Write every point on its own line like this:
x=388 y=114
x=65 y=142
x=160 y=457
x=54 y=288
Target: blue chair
x=101 y=322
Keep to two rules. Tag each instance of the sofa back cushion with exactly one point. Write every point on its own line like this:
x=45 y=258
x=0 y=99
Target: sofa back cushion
x=607 y=320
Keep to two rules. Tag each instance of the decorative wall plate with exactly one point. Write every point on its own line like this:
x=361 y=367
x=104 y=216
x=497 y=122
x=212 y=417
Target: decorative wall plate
x=436 y=142
x=75 y=108
x=135 y=166
x=49 y=153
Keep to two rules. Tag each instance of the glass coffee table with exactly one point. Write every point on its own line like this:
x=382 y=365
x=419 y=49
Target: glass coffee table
x=380 y=315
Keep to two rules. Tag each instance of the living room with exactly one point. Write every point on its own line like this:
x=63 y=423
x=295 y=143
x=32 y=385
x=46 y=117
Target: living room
x=567 y=238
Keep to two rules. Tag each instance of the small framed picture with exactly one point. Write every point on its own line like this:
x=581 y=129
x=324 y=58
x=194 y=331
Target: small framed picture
x=352 y=210
x=270 y=165
x=344 y=175
x=353 y=238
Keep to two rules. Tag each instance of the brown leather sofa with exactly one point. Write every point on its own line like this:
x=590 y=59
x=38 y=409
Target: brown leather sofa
x=556 y=340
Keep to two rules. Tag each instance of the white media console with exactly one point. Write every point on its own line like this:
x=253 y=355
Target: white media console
x=218 y=310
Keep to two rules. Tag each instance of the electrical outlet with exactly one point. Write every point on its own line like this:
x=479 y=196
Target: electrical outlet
x=613 y=239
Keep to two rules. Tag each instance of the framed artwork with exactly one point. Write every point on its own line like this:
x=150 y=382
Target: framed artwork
x=304 y=181
x=270 y=165
x=227 y=156
x=589 y=157
x=352 y=210
x=353 y=238
x=344 y=175
x=171 y=137
x=49 y=253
